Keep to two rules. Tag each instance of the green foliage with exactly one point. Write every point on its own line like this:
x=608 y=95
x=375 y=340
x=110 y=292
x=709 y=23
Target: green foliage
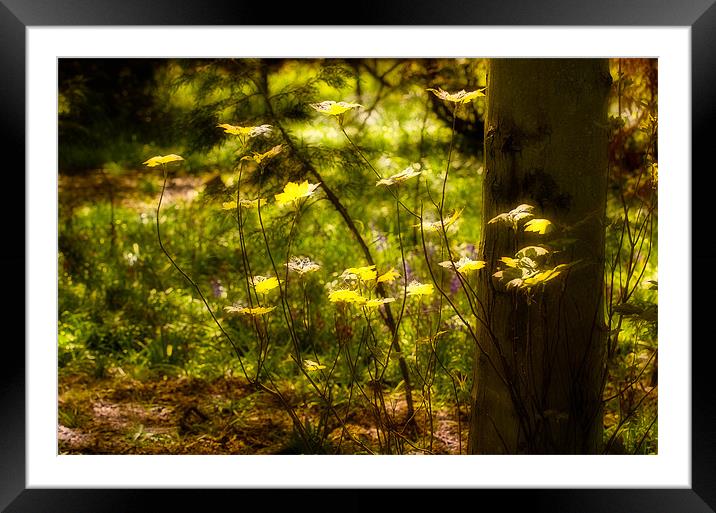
x=313 y=176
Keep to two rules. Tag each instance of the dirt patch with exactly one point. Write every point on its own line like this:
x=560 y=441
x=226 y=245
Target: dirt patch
x=121 y=415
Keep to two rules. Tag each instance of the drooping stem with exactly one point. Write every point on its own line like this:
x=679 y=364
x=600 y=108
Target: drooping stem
x=333 y=198
x=192 y=282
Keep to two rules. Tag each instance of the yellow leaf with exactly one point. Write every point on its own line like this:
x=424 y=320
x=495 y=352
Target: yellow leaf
x=246 y=131
x=331 y=108
x=263 y=284
x=404 y=175
x=254 y=203
x=461 y=96
x=311 y=366
x=464 y=265
x=389 y=276
x=366 y=273
x=375 y=303
x=437 y=225
x=541 y=277
x=245 y=203
x=159 y=159
x=260 y=157
x=258 y=310
x=540 y=226
x=293 y=192
x=346 y=296
x=415 y=288
x=510 y=262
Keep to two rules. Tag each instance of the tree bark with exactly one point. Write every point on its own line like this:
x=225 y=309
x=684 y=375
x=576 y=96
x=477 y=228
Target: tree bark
x=538 y=377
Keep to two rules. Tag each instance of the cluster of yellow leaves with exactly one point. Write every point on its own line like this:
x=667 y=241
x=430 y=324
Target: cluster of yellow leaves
x=353 y=297
x=464 y=265
x=404 y=175
x=461 y=97
x=527 y=269
x=162 y=159
x=293 y=192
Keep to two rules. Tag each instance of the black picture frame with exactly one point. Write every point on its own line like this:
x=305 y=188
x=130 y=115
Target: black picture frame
x=17 y=15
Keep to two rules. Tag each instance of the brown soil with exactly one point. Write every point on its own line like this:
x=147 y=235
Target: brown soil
x=121 y=415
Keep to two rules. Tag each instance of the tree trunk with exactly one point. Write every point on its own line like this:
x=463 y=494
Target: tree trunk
x=538 y=374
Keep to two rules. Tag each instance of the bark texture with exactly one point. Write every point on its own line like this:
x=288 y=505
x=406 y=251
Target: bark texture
x=538 y=375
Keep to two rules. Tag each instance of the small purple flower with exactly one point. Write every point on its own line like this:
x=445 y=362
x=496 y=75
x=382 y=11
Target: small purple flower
x=454 y=284
x=217 y=288
x=408 y=273
x=379 y=239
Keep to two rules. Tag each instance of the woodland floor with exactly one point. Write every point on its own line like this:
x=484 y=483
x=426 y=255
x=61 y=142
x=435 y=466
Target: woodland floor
x=119 y=415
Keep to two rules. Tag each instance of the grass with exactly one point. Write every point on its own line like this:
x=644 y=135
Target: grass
x=127 y=316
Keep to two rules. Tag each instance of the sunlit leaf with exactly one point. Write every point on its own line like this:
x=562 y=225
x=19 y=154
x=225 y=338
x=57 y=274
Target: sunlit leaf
x=261 y=157
x=262 y=284
x=375 y=303
x=258 y=310
x=346 y=296
x=415 y=288
x=162 y=159
x=331 y=108
x=438 y=225
x=459 y=97
x=246 y=131
x=540 y=226
x=389 y=276
x=510 y=262
x=541 y=277
x=245 y=203
x=405 y=174
x=464 y=265
x=312 y=366
x=254 y=203
x=366 y=273
x=293 y=192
